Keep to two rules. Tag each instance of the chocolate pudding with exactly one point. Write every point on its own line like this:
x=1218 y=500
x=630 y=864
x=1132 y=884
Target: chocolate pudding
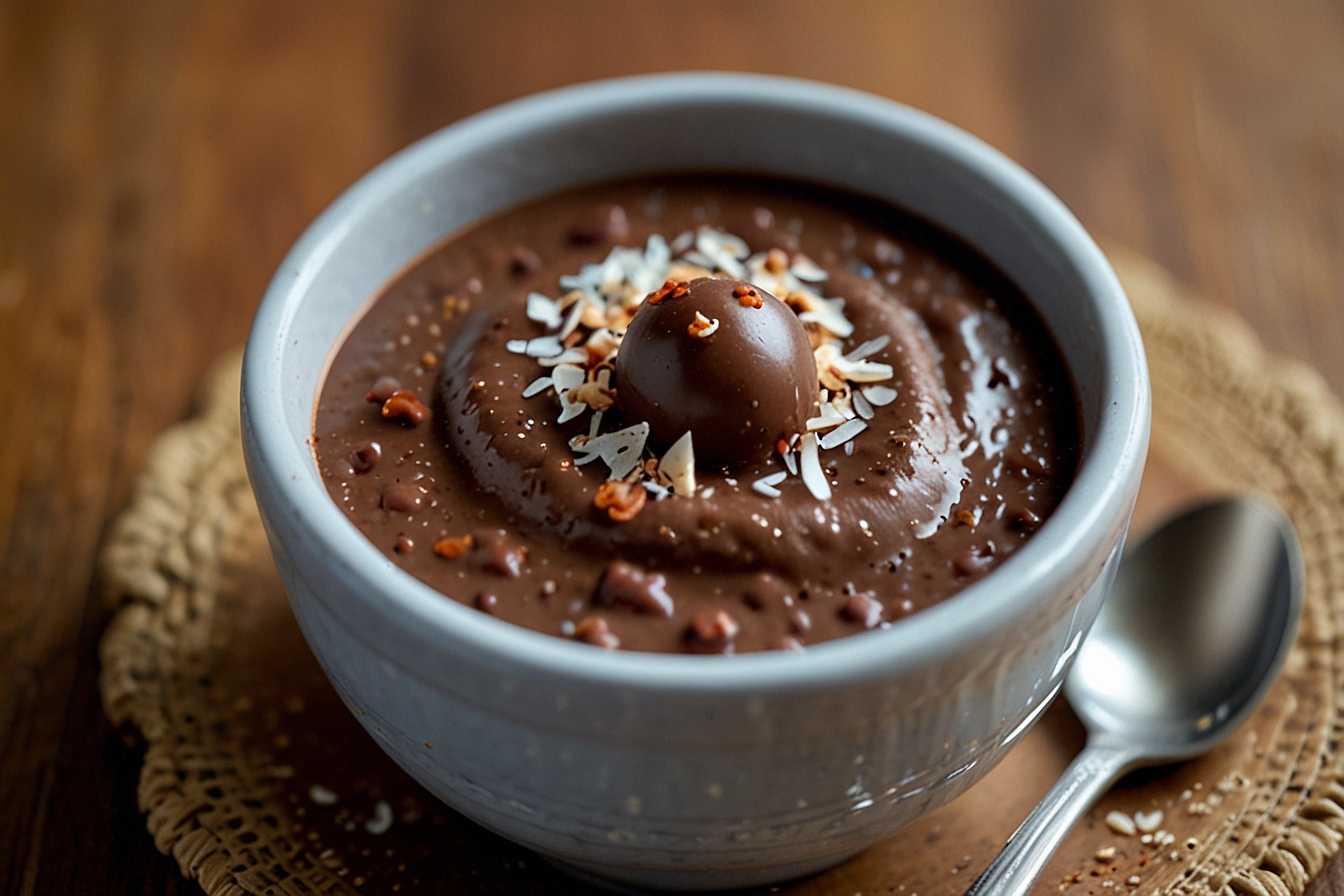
x=698 y=414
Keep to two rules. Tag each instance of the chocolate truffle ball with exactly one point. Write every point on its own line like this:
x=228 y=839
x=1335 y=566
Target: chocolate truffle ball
x=723 y=359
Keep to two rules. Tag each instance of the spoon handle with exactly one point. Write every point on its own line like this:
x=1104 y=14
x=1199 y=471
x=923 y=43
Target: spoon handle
x=1017 y=866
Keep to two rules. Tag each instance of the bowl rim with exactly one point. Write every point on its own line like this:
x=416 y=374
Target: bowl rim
x=1096 y=503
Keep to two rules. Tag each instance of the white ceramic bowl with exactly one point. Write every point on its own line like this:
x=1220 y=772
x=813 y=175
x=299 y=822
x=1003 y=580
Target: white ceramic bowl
x=689 y=771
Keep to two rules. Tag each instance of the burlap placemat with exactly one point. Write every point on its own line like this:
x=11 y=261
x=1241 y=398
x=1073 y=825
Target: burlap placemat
x=257 y=780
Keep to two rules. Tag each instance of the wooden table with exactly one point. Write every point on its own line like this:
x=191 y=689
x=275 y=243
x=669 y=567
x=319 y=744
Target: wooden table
x=157 y=160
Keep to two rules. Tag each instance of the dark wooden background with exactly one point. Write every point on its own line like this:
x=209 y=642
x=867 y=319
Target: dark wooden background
x=158 y=158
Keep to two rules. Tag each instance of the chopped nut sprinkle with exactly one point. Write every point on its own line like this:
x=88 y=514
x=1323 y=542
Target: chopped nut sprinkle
x=595 y=630
x=671 y=289
x=452 y=305
x=621 y=500
x=405 y=406
x=748 y=297
x=452 y=548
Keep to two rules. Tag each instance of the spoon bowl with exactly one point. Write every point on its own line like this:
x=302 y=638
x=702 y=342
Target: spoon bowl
x=1195 y=630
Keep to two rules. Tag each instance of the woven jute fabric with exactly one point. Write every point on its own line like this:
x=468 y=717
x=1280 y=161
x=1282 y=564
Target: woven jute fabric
x=257 y=780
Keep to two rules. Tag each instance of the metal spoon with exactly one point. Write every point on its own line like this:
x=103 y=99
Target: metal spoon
x=1195 y=630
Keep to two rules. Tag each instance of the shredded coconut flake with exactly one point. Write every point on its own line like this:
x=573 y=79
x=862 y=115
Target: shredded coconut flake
x=566 y=377
x=842 y=434
x=830 y=314
x=697 y=257
x=1121 y=823
x=1148 y=821
x=542 y=347
x=806 y=269
x=813 y=476
x=619 y=450
x=572 y=320
x=872 y=346
x=861 y=406
x=599 y=300
x=829 y=417
x=381 y=820
x=879 y=396
x=679 y=465
x=862 y=371
x=537 y=386
x=766 y=484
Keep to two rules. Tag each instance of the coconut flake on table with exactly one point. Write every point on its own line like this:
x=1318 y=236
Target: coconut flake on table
x=657 y=254
x=723 y=250
x=619 y=450
x=699 y=258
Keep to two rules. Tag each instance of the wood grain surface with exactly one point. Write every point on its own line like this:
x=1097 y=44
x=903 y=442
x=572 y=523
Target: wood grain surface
x=158 y=158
